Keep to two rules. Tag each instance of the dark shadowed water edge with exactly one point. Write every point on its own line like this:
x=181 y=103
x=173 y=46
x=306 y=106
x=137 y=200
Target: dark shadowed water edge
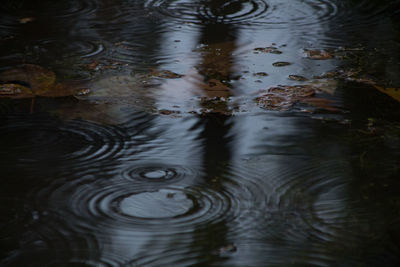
x=200 y=133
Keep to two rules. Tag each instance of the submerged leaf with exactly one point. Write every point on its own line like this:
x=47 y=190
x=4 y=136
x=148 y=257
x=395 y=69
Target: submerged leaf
x=38 y=78
x=31 y=80
x=26 y=20
x=166 y=74
x=13 y=90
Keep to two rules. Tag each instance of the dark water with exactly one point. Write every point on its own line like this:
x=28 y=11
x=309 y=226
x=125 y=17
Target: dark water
x=109 y=179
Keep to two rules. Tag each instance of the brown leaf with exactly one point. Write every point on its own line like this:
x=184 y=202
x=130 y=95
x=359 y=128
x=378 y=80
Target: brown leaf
x=166 y=74
x=297 y=78
x=26 y=20
x=281 y=64
x=12 y=90
x=321 y=103
x=270 y=49
x=392 y=92
x=38 y=78
x=318 y=54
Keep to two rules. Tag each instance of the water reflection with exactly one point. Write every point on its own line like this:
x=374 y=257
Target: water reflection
x=251 y=189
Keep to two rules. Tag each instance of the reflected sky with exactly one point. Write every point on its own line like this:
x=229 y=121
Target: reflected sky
x=188 y=170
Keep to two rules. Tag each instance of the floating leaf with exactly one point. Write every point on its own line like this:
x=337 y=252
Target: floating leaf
x=321 y=103
x=36 y=77
x=13 y=90
x=293 y=91
x=392 y=92
x=325 y=85
x=281 y=64
x=264 y=74
x=169 y=112
x=31 y=80
x=270 y=49
x=26 y=20
x=297 y=78
x=166 y=74
x=283 y=97
x=226 y=249
x=318 y=54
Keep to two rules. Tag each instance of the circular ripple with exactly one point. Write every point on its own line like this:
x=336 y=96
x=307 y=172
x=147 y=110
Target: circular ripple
x=52 y=8
x=151 y=173
x=173 y=207
x=32 y=140
x=162 y=204
x=200 y=12
x=74 y=48
x=158 y=173
x=309 y=12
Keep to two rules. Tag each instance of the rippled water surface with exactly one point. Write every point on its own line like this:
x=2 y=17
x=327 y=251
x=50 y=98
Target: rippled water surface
x=144 y=133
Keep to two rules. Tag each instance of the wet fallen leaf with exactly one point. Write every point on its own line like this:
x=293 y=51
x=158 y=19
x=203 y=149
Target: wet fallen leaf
x=38 y=78
x=63 y=89
x=216 y=88
x=281 y=64
x=226 y=249
x=274 y=102
x=297 y=78
x=321 y=103
x=165 y=74
x=325 y=85
x=293 y=91
x=7 y=38
x=32 y=80
x=283 y=97
x=328 y=75
x=270 y=49
x=93 y=65
x=318 y=54
x=26 y=20
x=15 y=91
x=392 y=92
x=216 y=105
x=363 y=80
x=168 y=112
x=264 y=74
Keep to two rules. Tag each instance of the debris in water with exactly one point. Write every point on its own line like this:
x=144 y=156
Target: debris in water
x=319 y=54
x=165 y=74
x=83 y=92
x=283 y=97
x=93 y=66
x=26 y=20
x=31 y=80
x=215 y=105
x=264 y=74
x=392 y=92
x=321 y=103
x=297 y=78
x=270 y=49
x=168 y=112
x=227 y=249
x=15 y=91
x=281 y=64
